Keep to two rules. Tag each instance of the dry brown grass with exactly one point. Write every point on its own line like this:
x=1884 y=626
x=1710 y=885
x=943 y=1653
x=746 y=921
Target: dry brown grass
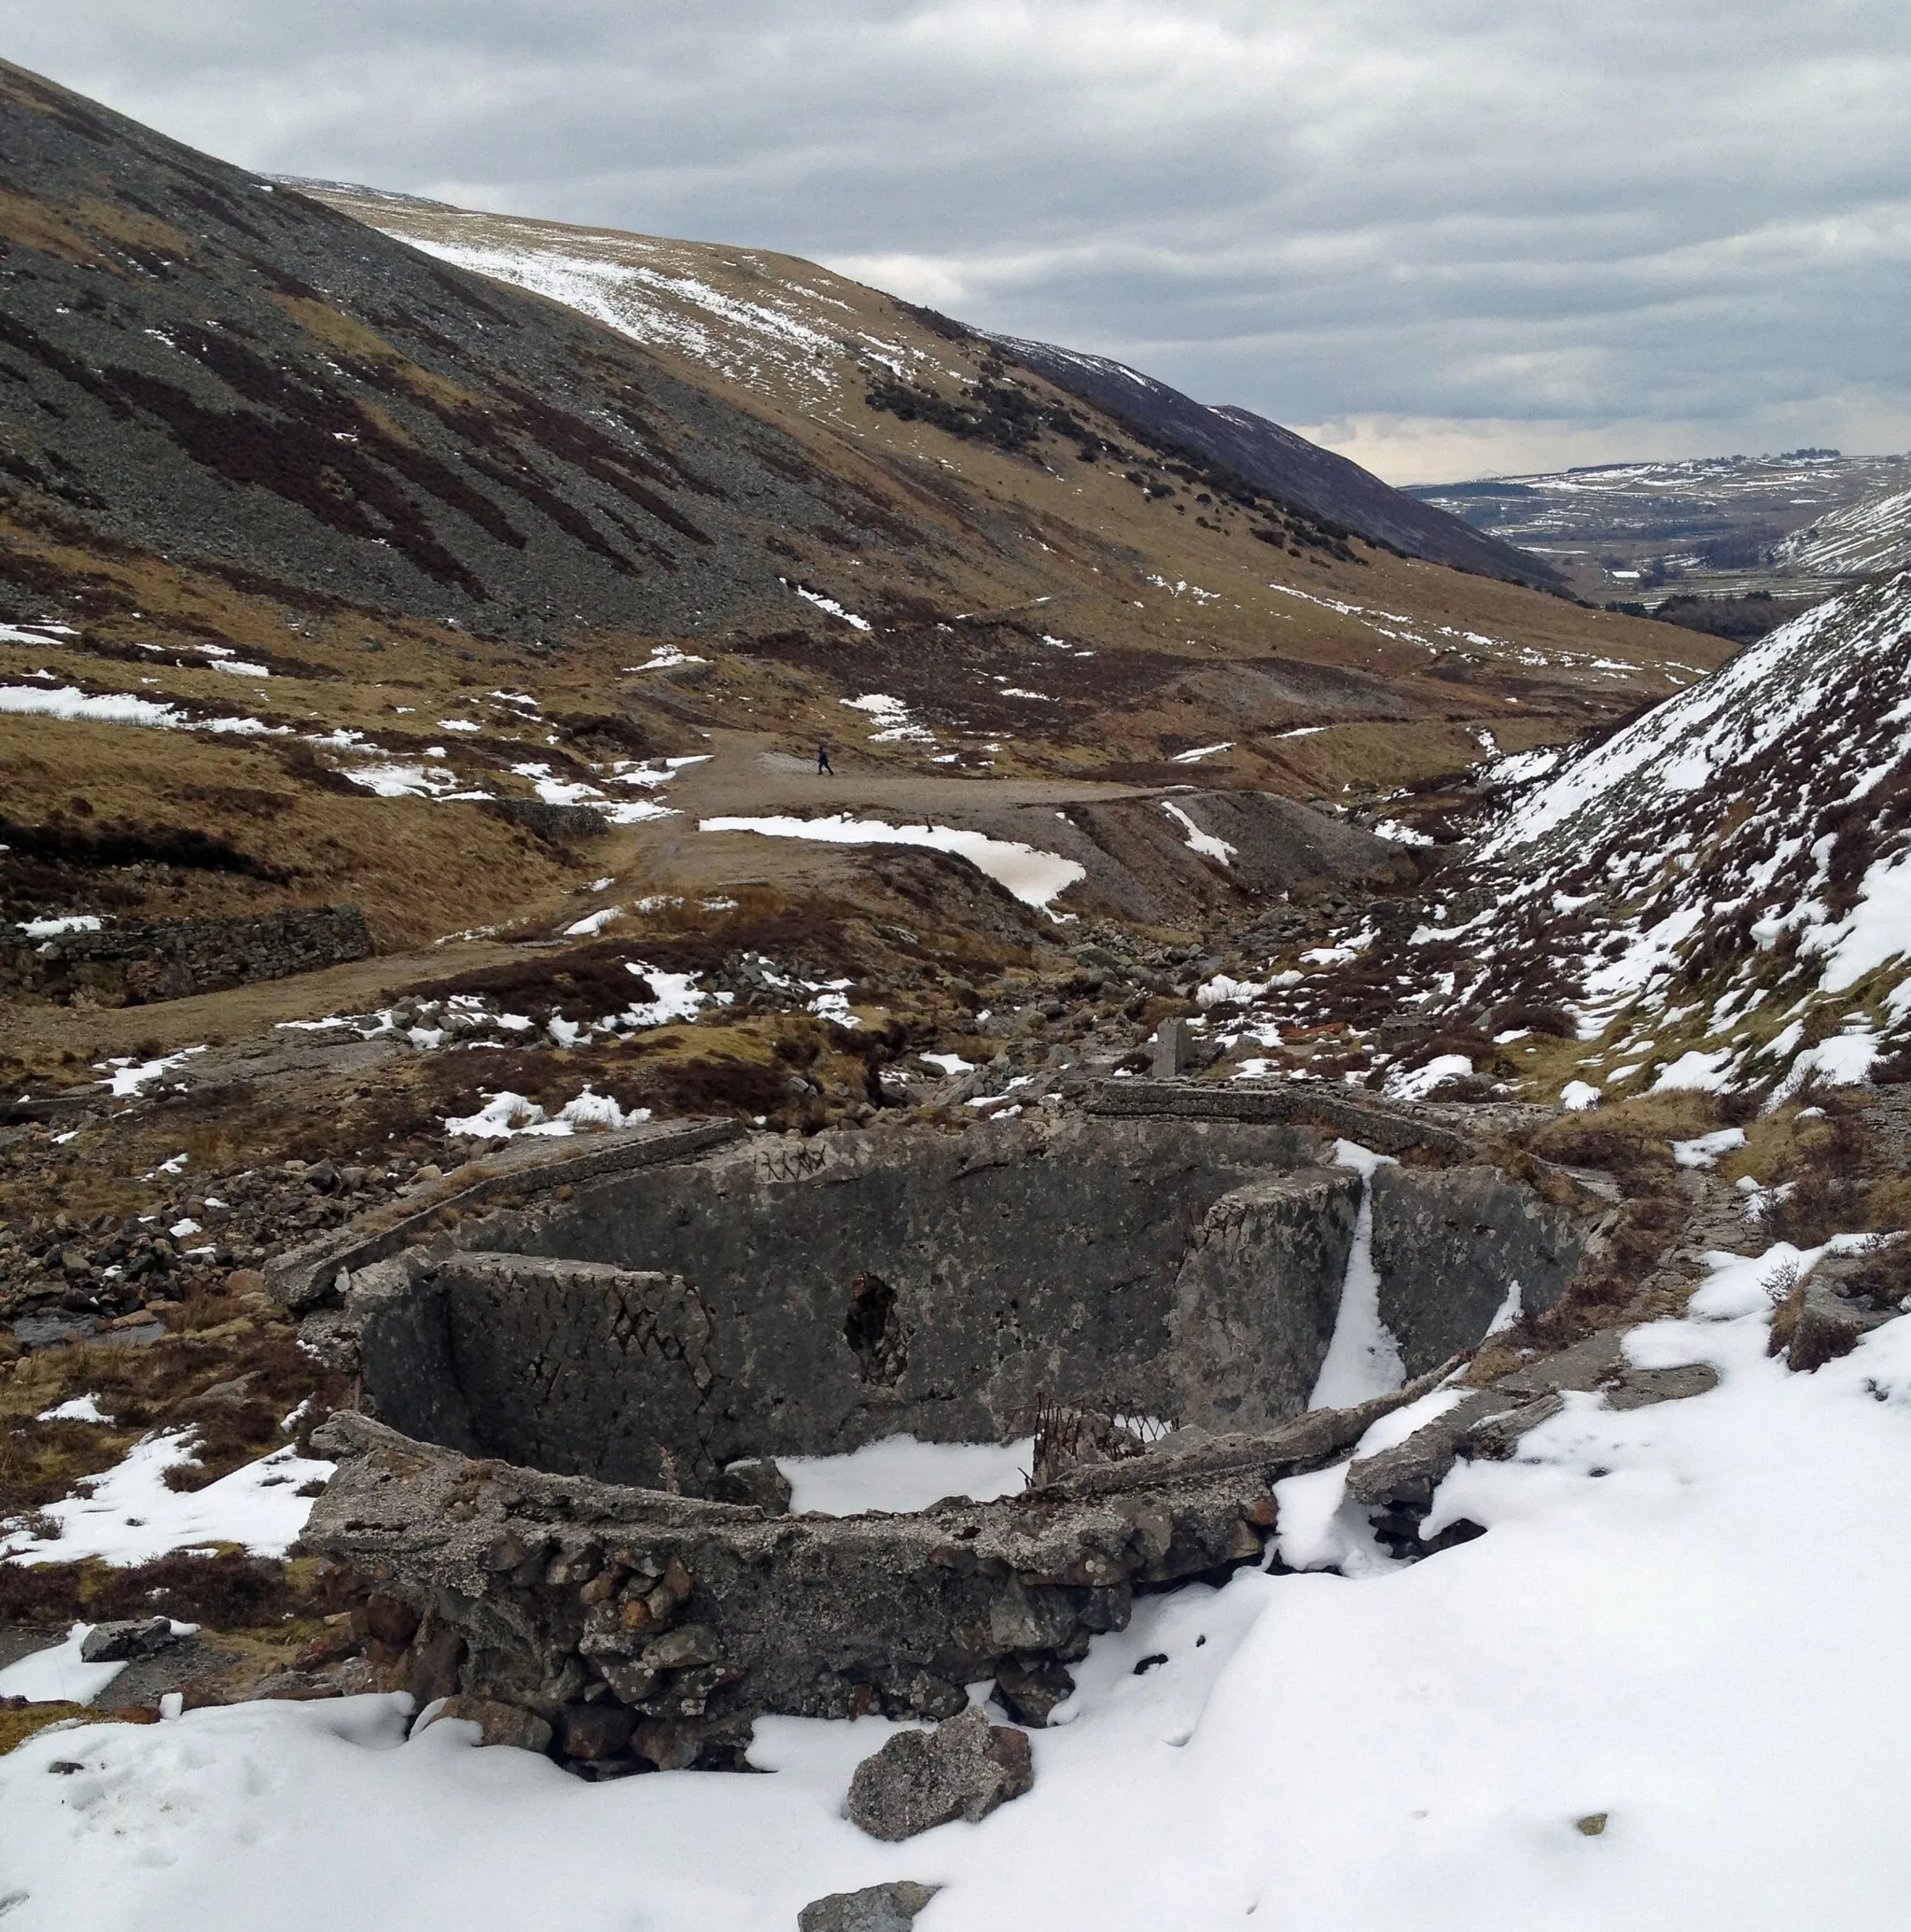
x=228 y=1367
x=418 y=868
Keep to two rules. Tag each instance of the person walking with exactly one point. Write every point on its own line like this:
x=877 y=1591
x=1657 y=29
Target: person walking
x=823 y=766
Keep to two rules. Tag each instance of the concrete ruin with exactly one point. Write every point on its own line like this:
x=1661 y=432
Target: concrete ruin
x=574 y=1377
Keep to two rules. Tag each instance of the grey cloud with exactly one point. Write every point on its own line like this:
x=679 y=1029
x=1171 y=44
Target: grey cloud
x=1685 y=218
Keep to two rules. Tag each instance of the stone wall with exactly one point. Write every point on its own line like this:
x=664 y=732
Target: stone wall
x=766 y=1298
x=539 y=1499
x=778 y=1298
x=651 y=1630
x=135 y=962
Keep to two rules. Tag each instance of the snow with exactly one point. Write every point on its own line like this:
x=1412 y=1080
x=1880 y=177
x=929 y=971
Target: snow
x=51 y=929
x=59 y=1676
x=404 y=780
x=1400 y=834
x=901 y=1473
x=1704 y=1150
x=1686 y=1618
x=76 y=1409
x=951 y=1063
x=832 y=607
x=1703 y=1071
x=133 y=1517
x=70 y=703
x=128 y=1080
x=1422 y=1081
x=592 y=923
x=73 y=705
x=1035 y=877
x=1877 y=930
x=893 y=716
x=1200 y=751
x=1205 y=843
x=1363 y=1358
x=507 y=1114
x=666 y=657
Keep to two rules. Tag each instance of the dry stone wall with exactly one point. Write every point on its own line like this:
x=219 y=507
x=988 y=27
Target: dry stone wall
x=136 y=962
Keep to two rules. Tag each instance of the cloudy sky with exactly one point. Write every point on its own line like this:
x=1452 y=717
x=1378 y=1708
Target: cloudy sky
x=1449 y=237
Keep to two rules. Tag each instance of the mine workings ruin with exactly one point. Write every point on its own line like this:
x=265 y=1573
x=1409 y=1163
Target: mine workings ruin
x=575 y=1376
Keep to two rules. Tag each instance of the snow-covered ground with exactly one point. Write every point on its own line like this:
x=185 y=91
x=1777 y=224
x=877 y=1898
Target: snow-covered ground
x=1663 y=1693
x=131 y=1516
x=1035 y=877
x=901 y=1473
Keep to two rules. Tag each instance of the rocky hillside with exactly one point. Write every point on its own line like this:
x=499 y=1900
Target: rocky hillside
x=1723 y=892
x=208 y=366
x=1717 y=897
x=1278 y=460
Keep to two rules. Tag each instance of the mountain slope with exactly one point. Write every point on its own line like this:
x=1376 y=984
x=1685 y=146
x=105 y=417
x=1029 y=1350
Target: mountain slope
x=1717 y=897
x=202 y=364
x=1855 y=540
x=1722 y=890
x=330 y=561
x=1276 y=459
x=1063 y=505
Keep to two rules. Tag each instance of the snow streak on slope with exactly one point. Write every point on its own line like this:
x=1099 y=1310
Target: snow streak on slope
x=1860 y=538
x=1732 y=873
x=792 y=334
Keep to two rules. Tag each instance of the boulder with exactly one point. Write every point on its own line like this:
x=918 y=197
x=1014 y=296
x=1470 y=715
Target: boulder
x=890 y=1908
x=757 y=1482
x=962 y=1769
x=1828 y=1323
x=498 y=1724
x=119 y=1643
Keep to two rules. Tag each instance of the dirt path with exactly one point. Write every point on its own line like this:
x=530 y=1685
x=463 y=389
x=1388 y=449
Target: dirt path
x=747 y=777
x=243 y=1013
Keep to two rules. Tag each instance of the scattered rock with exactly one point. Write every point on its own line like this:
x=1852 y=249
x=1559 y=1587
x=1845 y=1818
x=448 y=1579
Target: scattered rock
x=962 y=1769
x=498 y=1724
x=592 y=1732
x=119 y=1643
x=1592 y=1824
x=1827 y=1326
x=759 y=1484
x=890 y=1908
x=1029 y=1693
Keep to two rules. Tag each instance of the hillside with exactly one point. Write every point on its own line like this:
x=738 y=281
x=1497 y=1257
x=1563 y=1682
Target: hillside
x=1278 y=460
x=317 y=549
x=863 y=378
x=1713 y=899
x=1855 y=540
x=1714 y=526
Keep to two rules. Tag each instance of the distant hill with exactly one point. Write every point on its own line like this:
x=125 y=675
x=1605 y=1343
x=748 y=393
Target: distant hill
x=1712 y=526
x=1278 y=460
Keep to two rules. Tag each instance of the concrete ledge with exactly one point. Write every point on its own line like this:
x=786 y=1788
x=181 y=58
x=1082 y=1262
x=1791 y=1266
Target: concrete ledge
x=1385 y=1129
x=519 y=1172
x=681 y=1620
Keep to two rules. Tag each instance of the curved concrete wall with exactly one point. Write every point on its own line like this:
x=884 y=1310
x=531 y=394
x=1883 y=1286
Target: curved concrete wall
x=776 y=1298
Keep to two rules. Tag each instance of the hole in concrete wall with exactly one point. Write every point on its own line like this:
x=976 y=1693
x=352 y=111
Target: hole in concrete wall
x=873 y=1329
x=663 y=1325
